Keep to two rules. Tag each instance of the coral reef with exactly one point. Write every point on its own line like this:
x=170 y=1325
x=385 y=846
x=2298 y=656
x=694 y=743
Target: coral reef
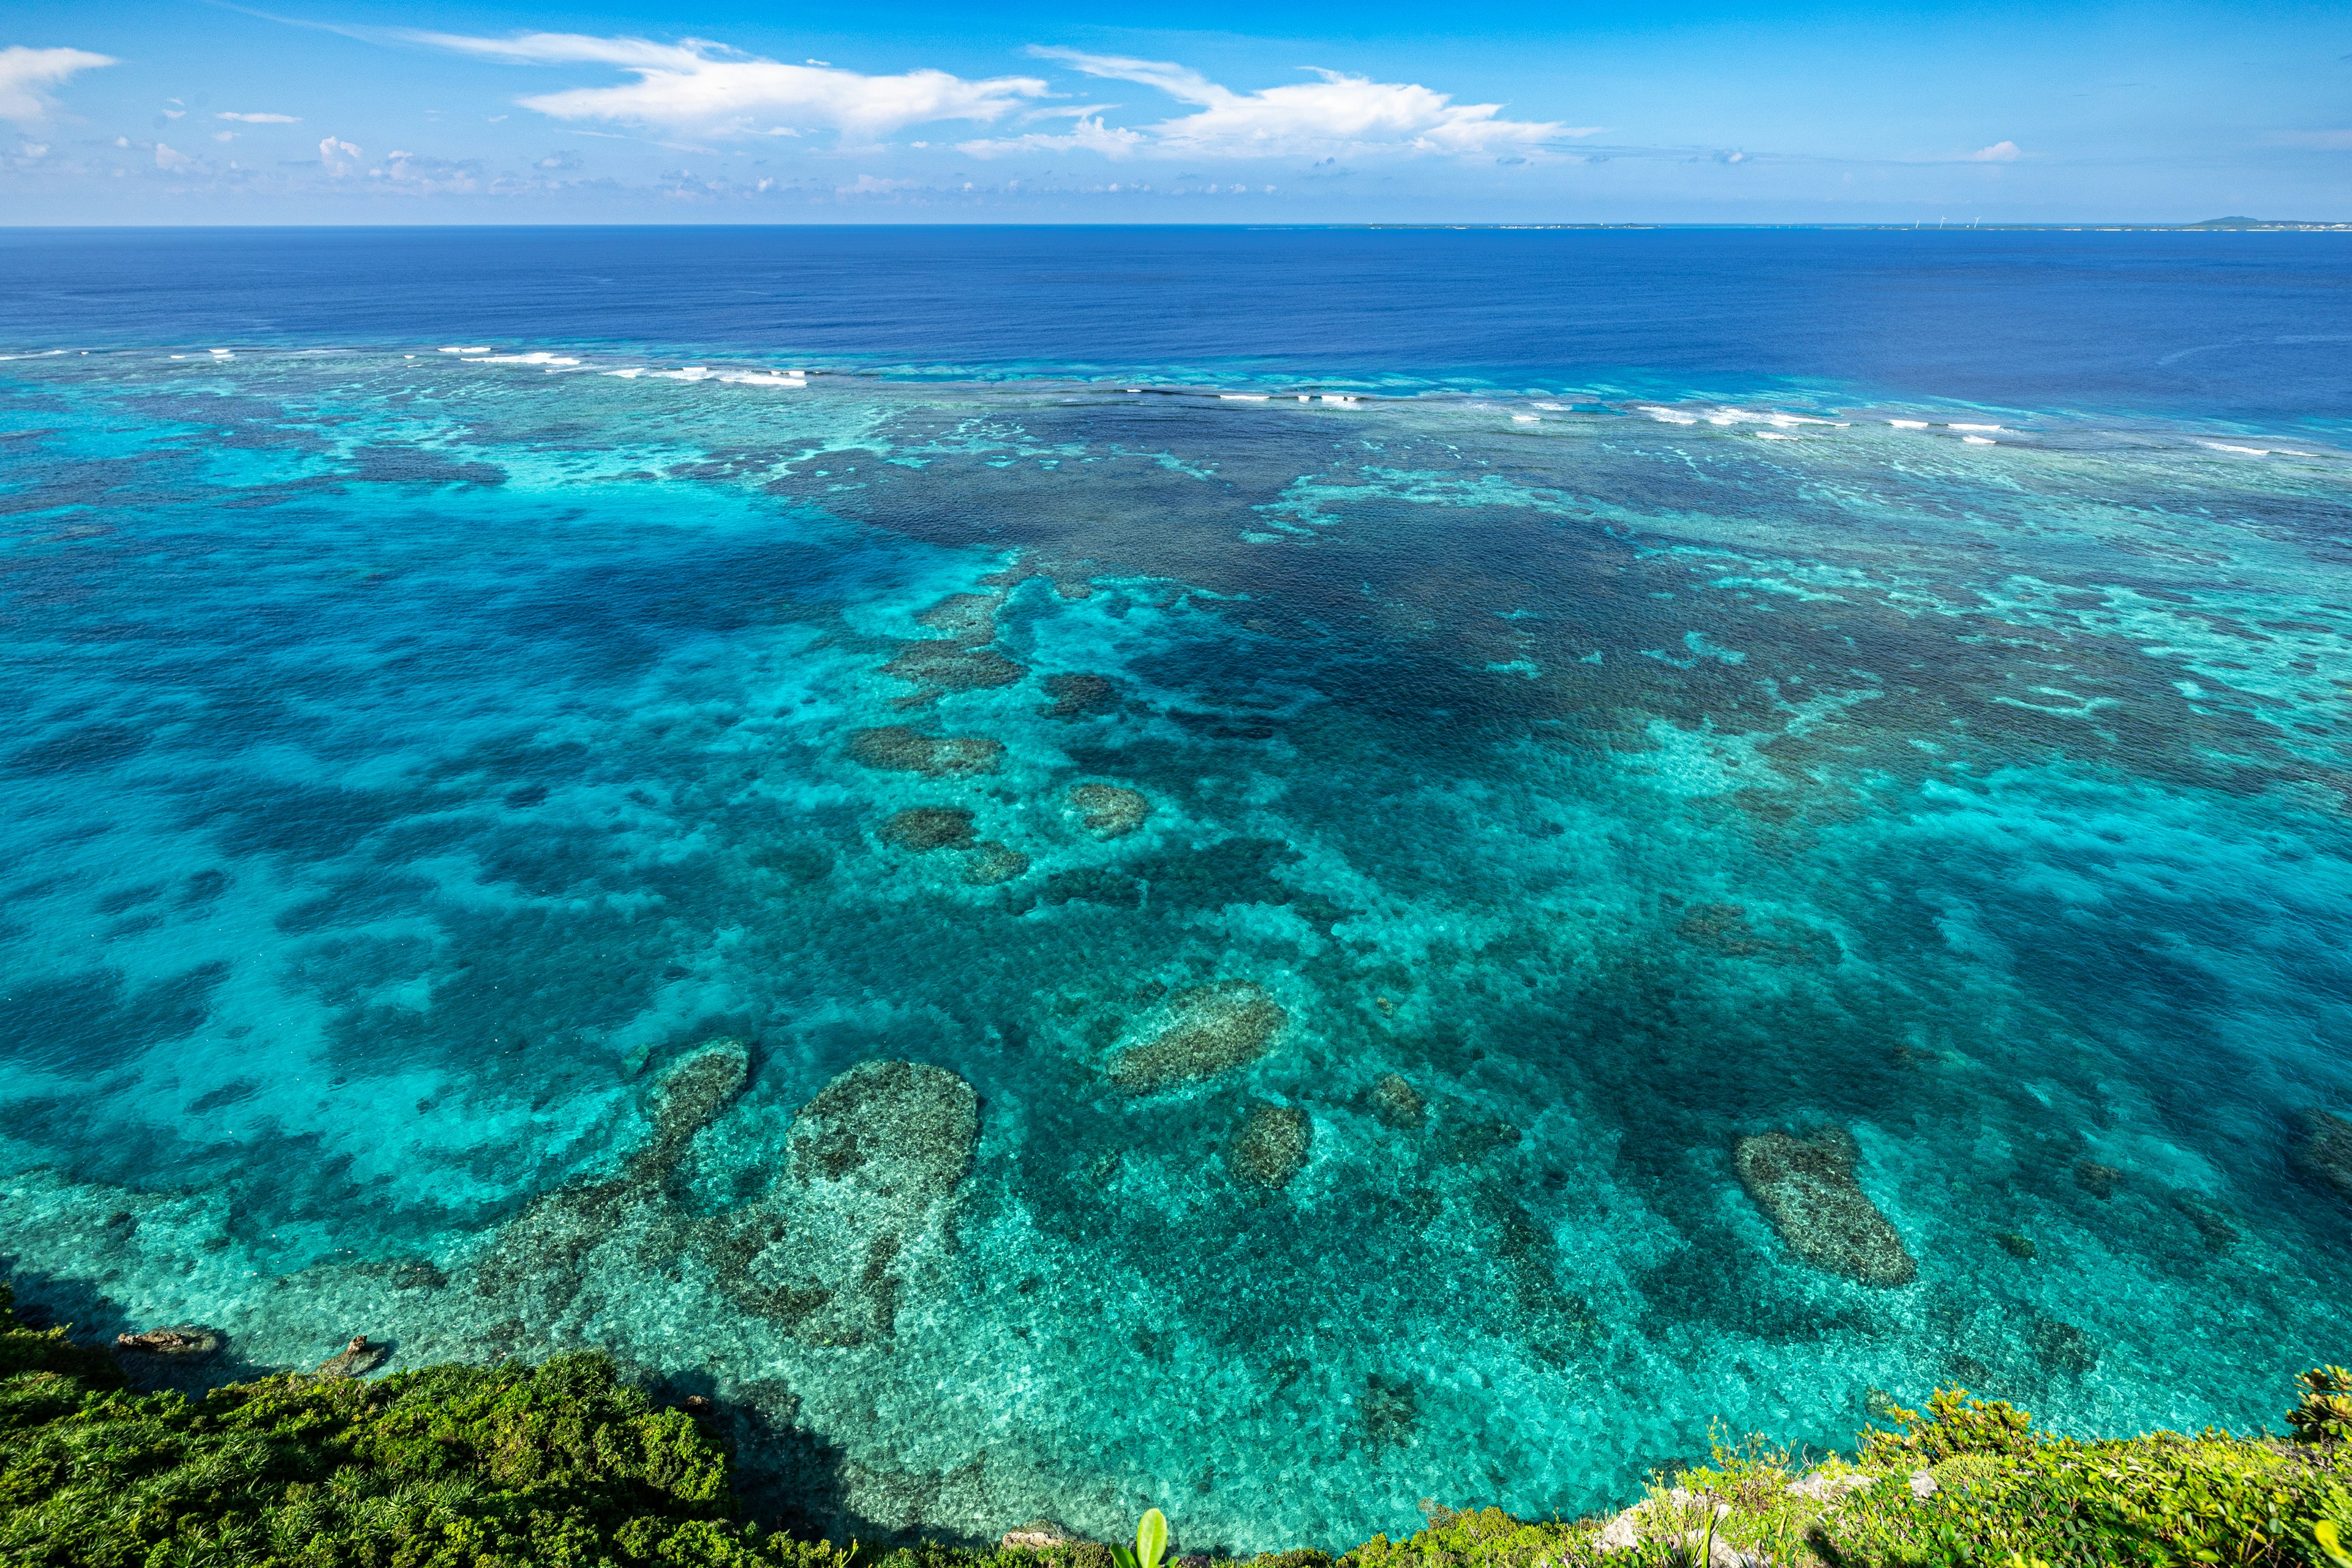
x=1387 y=1413
x=953 y=668
x=1076 y=696
x=993 y=863
x=1110 y=811
x=1397 y=1103
x=899 y=749
x=1270 y=1145
x=2324 y=1152
x=2095 y=1179
x=1807 y=1186
x=1204 y=1031
x=1726 y=929
x=873 y=1160
x=920 y=827
x=966 y=617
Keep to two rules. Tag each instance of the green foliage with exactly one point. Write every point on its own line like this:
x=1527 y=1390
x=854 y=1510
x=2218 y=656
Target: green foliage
x=1151 y=1543
x=2323 y=1414
x=1954 y=1424
x=559 y=1465
x=35 y=1351
x=1485 y=1538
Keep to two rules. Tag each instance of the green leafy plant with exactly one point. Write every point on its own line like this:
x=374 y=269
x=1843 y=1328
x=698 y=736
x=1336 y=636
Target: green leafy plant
x=1151 y=1543
x=1682 y=1555
x=1954 y=1424
x=2323 y=1415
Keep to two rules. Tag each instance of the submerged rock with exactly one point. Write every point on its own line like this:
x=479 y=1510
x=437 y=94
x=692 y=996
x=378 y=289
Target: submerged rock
x=1807 y=1186
x=901 y=749
x=2326 y=1152
x=188 y=1342
x=354 y=1359
x=1206 y=1030
x=1397 y=1103
x=1077 y=695
x=920 y=827
x=1271 y=1144
x=1110 y=811
x=993 y=863
x=951 y=667
x=1037 y=1535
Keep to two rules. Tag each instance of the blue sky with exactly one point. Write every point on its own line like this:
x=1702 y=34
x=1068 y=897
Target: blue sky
x=362 y=111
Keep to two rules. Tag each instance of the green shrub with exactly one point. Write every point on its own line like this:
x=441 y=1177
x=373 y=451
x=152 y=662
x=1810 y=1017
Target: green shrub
x=2323 y=1413
x=450 y=1468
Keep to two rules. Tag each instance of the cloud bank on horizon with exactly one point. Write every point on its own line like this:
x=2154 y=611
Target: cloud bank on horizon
x=700 y=89
x=592 y=124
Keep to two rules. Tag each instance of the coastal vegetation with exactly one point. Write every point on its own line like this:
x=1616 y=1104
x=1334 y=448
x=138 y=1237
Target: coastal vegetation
x=566 y=1464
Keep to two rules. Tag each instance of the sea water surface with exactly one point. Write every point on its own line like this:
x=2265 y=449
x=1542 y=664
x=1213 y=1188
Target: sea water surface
x=1391 y=788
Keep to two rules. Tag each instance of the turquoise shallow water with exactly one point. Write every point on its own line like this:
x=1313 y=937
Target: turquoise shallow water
x=420 y=759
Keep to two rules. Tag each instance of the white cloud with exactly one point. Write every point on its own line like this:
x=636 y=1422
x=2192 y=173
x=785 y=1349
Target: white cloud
x=24 y=72
x=1336 y=112
x=339 y=157
x=262 y=119
x=706 y=89
x=170 y=160
x=1088 y=135
x=1999 y=153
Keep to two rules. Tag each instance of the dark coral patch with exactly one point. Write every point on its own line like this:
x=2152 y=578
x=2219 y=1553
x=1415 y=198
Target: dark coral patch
x=2325 y=1152
x=1078 y=695
x=1397 y=1103
x=920 y=827
x=1110 y=811
x=1807 y=1186
x=1726 y=928
x=1206 y=1030
x=1271 y=1145
x=993 y=863
x=901 y=749
x=966 y=617
x=949 y=667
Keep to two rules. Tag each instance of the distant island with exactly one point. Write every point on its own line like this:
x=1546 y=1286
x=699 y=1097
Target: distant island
x=2245 y=225
x=2266 y=222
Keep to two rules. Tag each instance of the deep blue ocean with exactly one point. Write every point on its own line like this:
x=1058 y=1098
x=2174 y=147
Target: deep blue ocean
x=1488 y=847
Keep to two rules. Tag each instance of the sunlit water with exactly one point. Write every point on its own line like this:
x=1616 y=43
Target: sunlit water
x=1546 y=783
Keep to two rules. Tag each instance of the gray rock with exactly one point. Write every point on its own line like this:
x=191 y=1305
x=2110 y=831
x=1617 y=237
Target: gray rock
x=356 y=1359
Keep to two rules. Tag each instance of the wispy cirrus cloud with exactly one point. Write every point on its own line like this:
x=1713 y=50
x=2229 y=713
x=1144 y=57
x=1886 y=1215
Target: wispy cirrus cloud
x=698 y=88
x=1337 y=112
x=24 y=71
x=260 y=119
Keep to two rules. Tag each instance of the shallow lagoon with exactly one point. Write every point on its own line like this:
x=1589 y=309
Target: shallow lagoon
x=422 y=760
